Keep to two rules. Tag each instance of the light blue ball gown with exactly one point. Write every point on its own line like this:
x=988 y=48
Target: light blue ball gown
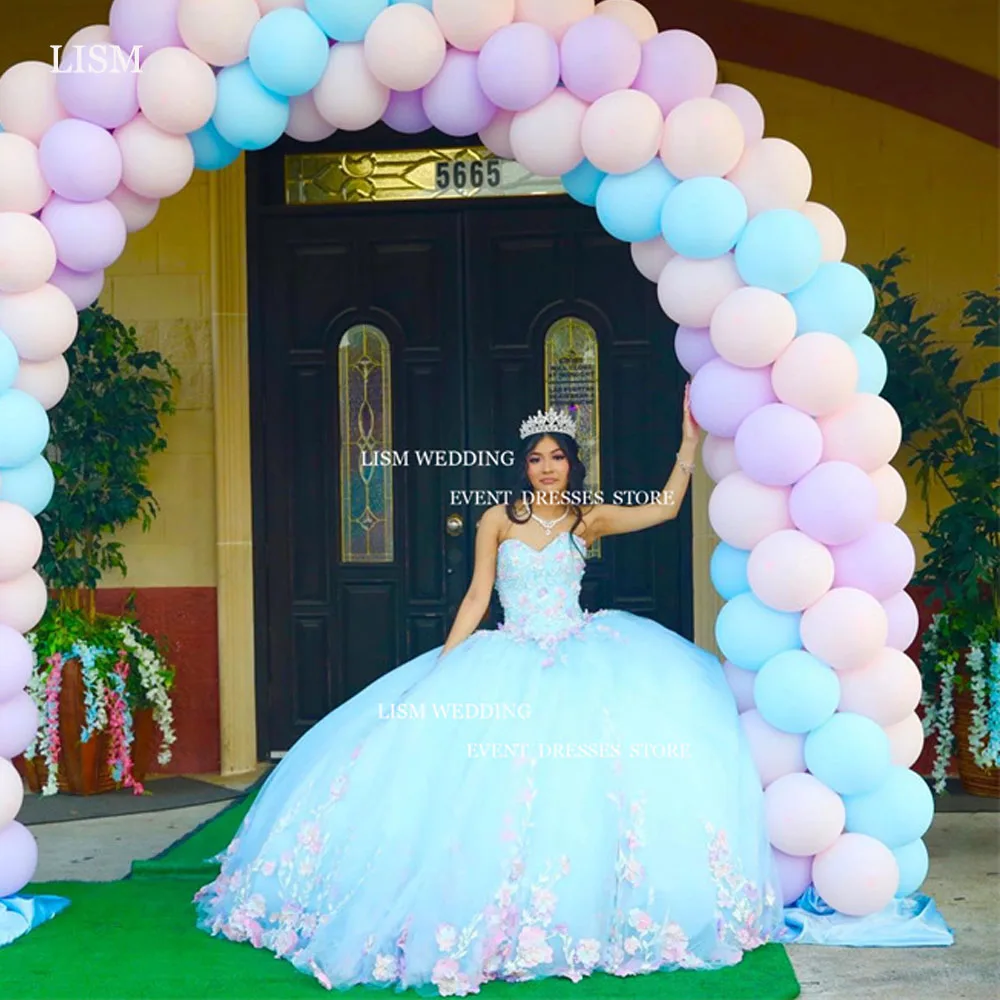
x=571 y=792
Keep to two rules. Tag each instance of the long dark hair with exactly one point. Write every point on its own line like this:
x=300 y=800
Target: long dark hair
x=574 y=485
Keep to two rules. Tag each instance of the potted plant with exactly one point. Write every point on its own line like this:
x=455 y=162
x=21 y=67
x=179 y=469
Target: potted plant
x=955 y=452
x=101 y=684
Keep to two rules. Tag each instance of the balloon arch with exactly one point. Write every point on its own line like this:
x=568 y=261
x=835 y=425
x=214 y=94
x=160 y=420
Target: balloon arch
x=771 y=322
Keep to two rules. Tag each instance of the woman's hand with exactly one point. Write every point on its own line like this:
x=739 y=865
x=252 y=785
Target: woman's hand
x=691 y=430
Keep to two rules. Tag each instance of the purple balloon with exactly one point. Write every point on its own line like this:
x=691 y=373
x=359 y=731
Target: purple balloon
x=693 y=348
x=88 y=237
x=519 y=66
x=18 y=858
x=99 y=84
x=724 y=395
x=794 y=874
x=149 y=24
x=19 y=722
x=676 y=66
x=904 y=621
x=15 y=662
x=835 y=503
x=81 y=161
x=599 y=55
x=880 y=562
x=83 y=289
x=778 y=444
x=405 y=112
x=454 y=101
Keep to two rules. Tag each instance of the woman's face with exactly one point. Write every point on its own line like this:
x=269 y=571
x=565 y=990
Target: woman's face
x=548 y=468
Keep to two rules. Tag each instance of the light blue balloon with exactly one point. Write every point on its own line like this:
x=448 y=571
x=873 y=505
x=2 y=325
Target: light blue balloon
x=428 y=4
x=749 y=633
x=913 y=864
x=29 y=486
x=288 y=51
x=897 y=812
x=9 y=362
x=24 y=428
x=796 y=692
x=247 y=114
x=728 y=570
x=779 y=250
x=703 y=217
x=629 y=205
x=346 y=20
x=873 y=369
x=582 y=183
x=211 y=151
x=838 y=299
x=850 y=753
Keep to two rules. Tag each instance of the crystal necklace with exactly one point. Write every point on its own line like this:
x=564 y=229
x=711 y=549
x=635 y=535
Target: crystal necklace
x=549 y=525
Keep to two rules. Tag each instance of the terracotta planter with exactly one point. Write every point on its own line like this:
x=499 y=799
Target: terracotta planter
x=976 y=780
x=83 y=767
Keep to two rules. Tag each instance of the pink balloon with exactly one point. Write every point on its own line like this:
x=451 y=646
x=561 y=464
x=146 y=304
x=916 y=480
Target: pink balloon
x=469 y=26
x=41 y=324
x=348 y=96
x=718 y=455
x=689 y=291
x=701 y=138
x=777 y=445
x=906 y=740
x=81 y=161
x=23 y=601
x=519 y=66
x=454 y=100
x=156 y=163
x=92 y=34
x=47 y=381
x=857 y=874
x=305 y=123
x=746 y=107
x=677 y=66
x=817 y=373
x=772 y=173
x=804 y=817
x=496 y=136
x=20 y=541
x=904 y=620
x=743 y=513
x=886 y=689
x=23 y=187
x=177 y=91
x=20 y=858
x=845 y=628
x=150 y=24
x=794 y=875
x=599 y=55
x=16 y=659
x=27 y=253
x=835 y=503
x=741 y=684
x=29 y=104
x=631 y=13
x=880 y=562
x=775 y=753
x=555 y=16
x=138 y=212
x=753 y=326
x=832 y=235
x=405 y=112
x=789 y=571
x=82 y=289
x=651 y=256
x=404 y=47
x=266 y=6
x=218 y=32
x=98 y=83
x=547 y=139
x=88 y=236
x=18 y=724
x=891 y=492
x=693 y=349
x=621 y=131
x=723 y=396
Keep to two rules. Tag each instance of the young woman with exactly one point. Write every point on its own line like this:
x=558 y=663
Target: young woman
x=566 y=794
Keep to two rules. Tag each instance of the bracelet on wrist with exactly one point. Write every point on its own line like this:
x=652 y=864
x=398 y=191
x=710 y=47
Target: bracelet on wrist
x=688 y=467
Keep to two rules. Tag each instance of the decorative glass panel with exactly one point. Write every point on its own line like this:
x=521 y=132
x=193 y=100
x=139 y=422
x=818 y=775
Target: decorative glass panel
x=364 y=374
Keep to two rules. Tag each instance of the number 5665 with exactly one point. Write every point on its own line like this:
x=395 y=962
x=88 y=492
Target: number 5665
x=462 y=174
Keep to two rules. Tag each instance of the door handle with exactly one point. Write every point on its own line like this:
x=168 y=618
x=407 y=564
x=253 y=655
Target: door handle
x=454 y=524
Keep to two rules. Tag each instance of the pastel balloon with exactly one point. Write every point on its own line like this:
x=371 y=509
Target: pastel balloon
x=20 y=541
x=266 y=6
x=16 y=660
x=23 y=187
x=779 y=249
x=825 y=636
x=555 y=16
x=913 y=862
x=803 y=816
x=676 y=66
x=82 y=288
x=904 y=620
x=41 y=324
x=816 y=373
x=752 y=327
x=621 y=131
x=306 y=124
x=693 y=348
x=9 y=362
x=19 y=721
x=24 y=429
x=598 y=55
x=137 y=211
x=30 y=485
x=404 y=47
x=405 y=112
x=27 y=253
x=20 y=858
x=29 y=103
x=155 y=163
x=718 y=455
x=278 y=35
x=468 y=25
x=746 y=107
x=703 y=218
x=11 y=792
x=702 y=137
x=24 y=599
x=547 y=138
x=743 y=512
x=46 y=381
x=794 y=875
x=873 y=369
x=777 y=445
x=177 y=91
x=650 y=258
x=832 y=234
x=887 y=689
x=749 y=633
x=631 y=13
x=247 y=115
x=454 y=100
x=150 y=25
x=496 y=136
x=906 y=740
x=897 y=812
x=629 y=206
x=880 y=562
x=740 y=682
x=345 y=22
x=689 y=291
x=92 y=34
x=891 y=492
x=81 y=161
x=849 y=753
x=856 y=875
x=348 y=96
x=838 y=299
x=519 y=66
x=775 y=753
x=834 y=503
x=723 y=395
x=728 y=570
x=98 y=83
x=790 y=571
x=87 y=236
x=211 y=151
x=867 y=431
x=794 y=692
x=218 y=32
x=772 y=173
x=583 y=182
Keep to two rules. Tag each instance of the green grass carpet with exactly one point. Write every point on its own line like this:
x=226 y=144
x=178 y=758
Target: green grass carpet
x=136 y=940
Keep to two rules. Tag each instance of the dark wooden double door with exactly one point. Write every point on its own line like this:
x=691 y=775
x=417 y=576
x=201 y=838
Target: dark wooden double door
x=463 y=294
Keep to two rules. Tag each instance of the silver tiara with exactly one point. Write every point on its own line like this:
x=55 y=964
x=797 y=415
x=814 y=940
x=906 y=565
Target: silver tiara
x=551 y=422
